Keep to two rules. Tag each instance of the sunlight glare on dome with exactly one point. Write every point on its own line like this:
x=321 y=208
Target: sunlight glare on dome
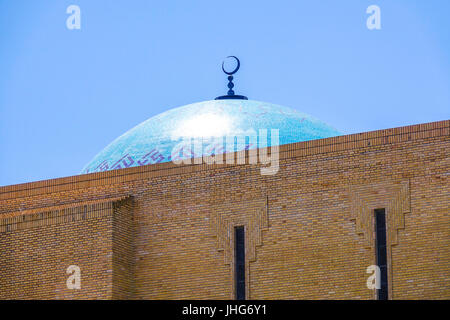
x=204 y=125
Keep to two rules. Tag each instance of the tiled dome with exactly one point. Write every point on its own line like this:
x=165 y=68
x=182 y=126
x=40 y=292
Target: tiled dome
x=155 y=139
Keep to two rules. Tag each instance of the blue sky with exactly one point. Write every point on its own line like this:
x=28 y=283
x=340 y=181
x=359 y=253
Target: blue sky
x=66 y=94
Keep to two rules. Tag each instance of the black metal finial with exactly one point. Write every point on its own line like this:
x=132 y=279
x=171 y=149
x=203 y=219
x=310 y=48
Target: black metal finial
x=230 y=93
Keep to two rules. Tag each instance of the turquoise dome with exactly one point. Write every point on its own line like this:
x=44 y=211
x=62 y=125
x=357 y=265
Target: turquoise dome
x=159 y=138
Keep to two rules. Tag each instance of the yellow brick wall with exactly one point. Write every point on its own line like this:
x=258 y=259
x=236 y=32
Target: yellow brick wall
x=34 y=258
x=309 y=234
x=123 y=250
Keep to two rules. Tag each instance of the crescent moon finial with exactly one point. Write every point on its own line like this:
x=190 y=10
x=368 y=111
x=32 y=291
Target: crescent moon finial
x=235 y=70
x=230 y=93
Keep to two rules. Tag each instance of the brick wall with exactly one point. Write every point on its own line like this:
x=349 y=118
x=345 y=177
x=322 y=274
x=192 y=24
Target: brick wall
x=123 y=250
x=167 y=230
x=38 y=246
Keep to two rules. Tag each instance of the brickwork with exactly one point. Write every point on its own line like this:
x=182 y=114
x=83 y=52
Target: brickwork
x=37 y=247
x=165 y=231
x=123 y=250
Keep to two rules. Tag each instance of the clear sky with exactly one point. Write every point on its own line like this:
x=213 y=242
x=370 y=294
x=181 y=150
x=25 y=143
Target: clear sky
x=66 y=94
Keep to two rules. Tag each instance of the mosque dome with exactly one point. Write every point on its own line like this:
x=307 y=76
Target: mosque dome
x=158 y=139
